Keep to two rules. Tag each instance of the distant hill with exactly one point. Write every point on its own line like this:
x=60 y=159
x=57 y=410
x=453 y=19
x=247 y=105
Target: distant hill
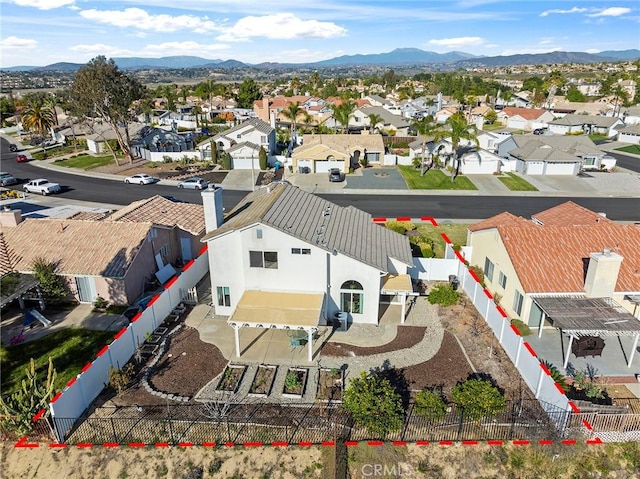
x=621 y=55
x=535 y=59
x=399 y=56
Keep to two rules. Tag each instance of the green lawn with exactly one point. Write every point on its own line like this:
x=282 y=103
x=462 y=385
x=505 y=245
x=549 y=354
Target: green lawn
x=457 y=233
x=434 y=180
x=51 y=152
x=515 y=183
x=634 y=149
x=70 y=350
x=597 y=137
x=86 y=162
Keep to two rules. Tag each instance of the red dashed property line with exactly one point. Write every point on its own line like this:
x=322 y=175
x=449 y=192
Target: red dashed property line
x=445 y=238
x=39 y=415
x=22 y=443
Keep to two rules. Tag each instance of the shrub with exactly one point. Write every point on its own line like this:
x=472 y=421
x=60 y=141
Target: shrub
x=556 y=375
x=53 y=286
x=400 y=226
x=292 y=381
x=523 y=328
x=430 y=405
x=374 y=403
x=478 y=398
x=479 y=273
x=443 y=294
x=119 y=379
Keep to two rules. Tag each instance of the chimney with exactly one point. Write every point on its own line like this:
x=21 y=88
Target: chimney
x=213 y=210
x=272 y=119
x=265 y=113
x=9 y=217
x=602 y=273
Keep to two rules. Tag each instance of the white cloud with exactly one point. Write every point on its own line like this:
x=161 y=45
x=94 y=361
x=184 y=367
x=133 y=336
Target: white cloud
x=458 y=42
x=562 y=12
x=43 y=4
x=15 y=43
x=100 y=49
x=141 y=20
x=280 y=26
x=611 y=12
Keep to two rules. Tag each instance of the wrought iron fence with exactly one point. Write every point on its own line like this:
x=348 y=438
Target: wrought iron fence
x=262 y=422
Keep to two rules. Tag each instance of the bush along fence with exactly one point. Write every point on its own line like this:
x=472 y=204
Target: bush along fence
x=239 y=423
x=535 y=374
x=67 y=406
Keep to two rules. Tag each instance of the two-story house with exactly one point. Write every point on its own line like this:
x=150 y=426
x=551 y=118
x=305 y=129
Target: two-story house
x=287 y=259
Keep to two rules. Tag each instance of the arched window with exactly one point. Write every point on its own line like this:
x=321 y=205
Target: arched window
x=352 y=297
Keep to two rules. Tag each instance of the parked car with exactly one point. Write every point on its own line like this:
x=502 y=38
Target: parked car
x=193 y=184
x=335 y=175
x=41 y=186
x=141 y=179
x=22 y=158
x=13 y=147
x=7 y=179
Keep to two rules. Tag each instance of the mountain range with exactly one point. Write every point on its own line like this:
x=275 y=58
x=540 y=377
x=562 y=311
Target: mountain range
x=397 y=57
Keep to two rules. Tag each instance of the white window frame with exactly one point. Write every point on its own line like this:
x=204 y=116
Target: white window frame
x=502 y=280
x=224 y=296
x=518 y=299
x=488 y=269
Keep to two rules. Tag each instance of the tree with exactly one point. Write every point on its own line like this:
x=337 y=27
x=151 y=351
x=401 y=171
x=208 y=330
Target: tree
x=101 y=89
x=342 y=113
x=491 y=116
x=18 y=409
x=374 y=403
x=291 y=112
x=573 y=94
x=225 y=160
x=7 y=108
x=38 y=116
x=248 y=92
x=169 y=92
x=53 y=286
x=262 y=158
x=214 y=150
x=478 y=398
x=430 y=405
x=458 y=130
x=620 y=96
x=373 y=121
x=424 y=127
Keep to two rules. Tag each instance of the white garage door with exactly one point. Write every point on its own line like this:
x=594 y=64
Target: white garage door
x=323 y=166
x=535 y=168
x=560 y=168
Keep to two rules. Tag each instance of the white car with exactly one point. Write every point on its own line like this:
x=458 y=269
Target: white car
x=42 y=186
x=141 y=179
x=193 y=184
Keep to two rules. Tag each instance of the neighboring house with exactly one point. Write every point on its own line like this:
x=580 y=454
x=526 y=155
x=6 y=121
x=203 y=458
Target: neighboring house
x=287 y=259
x=629 y=134
x=390 y=121
x=160 y=140
x=106 y=258
x=178 y=227
x=320 y=153
x=251 y=132
x=491 y=140
x=631 y=115
x=377 y=100
x=527 y=119
x=566 y=251
x=443 y=114
x=562 y=107
x=478 y=113
x=552 y=155
x=587 y=124
x=102 y=132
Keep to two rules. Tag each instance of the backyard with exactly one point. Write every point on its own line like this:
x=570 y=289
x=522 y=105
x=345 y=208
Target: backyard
x=426 y=239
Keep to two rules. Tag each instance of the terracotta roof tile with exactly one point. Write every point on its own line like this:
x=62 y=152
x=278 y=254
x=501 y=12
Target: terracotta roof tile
x=569 y=213
x=526 y=113
x=95 y=248
x=501 y=219
x=553 y=259
x=164 y=212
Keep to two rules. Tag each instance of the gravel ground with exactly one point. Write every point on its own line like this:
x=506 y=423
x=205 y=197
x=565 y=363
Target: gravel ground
x=406 y=337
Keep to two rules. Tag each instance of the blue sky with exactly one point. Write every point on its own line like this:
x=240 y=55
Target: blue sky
x=41 y=32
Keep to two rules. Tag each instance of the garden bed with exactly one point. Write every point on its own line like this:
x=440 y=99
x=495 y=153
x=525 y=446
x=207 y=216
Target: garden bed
x=330 y=385
x=263 y=381
x=295 y=383
x=231 y=378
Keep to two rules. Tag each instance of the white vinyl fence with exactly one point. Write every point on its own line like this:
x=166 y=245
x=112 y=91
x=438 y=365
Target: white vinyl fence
x=94 y=377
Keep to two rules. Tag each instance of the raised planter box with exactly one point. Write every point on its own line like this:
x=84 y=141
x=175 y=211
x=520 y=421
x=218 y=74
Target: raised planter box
x=263 y=381
x=231 y=378
x=148 y=349
x=153 y=339
x=161 y=330
x=295 y=383
x=330 y=385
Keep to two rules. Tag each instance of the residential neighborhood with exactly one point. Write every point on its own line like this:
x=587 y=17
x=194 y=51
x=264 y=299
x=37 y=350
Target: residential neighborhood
x=311 y=263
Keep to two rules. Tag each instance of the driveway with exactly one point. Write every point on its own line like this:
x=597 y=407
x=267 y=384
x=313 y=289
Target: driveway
x=376 y=179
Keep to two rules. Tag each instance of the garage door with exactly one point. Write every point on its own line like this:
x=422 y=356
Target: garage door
x=323 y=166
x=535 y=168
x=560 y=168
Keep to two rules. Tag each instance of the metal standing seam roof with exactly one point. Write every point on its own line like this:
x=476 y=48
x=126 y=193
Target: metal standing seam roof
x=589 y=316
x=346 y=230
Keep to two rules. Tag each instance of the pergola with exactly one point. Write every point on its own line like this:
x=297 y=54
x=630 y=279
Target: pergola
x=398 y=285
x=274 y=310
x=580 y=316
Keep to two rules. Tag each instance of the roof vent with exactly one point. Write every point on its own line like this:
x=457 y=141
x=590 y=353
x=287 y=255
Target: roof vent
x=606 y=251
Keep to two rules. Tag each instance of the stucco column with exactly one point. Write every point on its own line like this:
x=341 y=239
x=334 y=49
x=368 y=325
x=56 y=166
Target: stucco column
x=236 y=334
x=542 y=318
x=310 y=345
x=633 y=350
x=403 y=302
x=566 y=357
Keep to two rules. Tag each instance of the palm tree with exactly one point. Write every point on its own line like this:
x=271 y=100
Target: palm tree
x=620 y=96
x=458 y=129
x=37 y=115
x=291 y=112
x=52 y=102
x=373 y=121
x=342 y=113
x=425 y=127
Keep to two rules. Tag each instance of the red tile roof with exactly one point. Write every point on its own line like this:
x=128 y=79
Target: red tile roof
x=501 y=219
x=570 y=213
x=526 y=113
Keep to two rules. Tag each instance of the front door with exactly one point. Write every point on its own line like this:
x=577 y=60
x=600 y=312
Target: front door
x=86 y=289
x=185 y=246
